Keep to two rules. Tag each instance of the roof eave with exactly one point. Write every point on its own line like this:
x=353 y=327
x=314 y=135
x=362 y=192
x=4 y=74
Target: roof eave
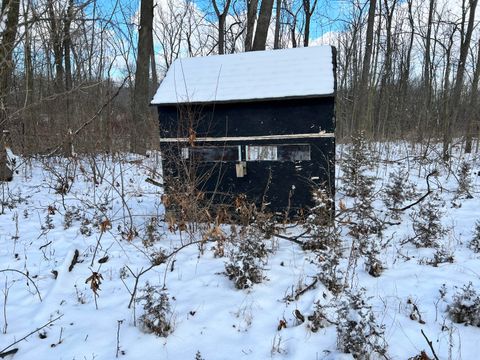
x=236 y=101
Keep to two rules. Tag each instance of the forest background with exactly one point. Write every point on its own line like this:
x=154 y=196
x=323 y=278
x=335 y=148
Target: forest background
x=79 y=74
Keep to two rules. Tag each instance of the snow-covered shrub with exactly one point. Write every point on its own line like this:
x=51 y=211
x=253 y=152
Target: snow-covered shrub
x=373 y=264
x=475 y=242
x=325 y=241
x=48 y=223
x=328 y=258
x=363 y=220
x=426 y=223
x=465 y=307
x=245 y=266
x=322 y=213
x=71 y=214
x=158 y=257
x=151 y=232
x=357 y=331
x=328 y=251
x=397 y=191
x=443 y=254
x=318 y=320
x=158 y=316
x=464 y=181
x=357 y=160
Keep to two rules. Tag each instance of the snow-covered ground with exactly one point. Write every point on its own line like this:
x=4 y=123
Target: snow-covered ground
x=55 y=208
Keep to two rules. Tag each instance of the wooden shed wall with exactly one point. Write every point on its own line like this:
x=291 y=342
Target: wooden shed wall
x=269 y=181
x=272 y=117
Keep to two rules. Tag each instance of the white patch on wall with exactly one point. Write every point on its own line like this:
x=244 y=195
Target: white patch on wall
x=261 y=153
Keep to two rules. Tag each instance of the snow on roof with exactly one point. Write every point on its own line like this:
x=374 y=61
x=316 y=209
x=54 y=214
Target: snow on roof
x=247 y=76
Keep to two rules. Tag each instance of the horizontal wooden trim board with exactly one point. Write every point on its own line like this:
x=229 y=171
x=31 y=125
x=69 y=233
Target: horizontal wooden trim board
x=251 y=138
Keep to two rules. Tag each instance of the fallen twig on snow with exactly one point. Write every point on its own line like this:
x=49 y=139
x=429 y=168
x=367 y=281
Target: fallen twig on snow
x=430 y=344
x=4 y=352
x=300 y=292
x=293 y=239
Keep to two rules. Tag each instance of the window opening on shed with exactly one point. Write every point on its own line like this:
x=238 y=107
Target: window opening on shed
x=284 y=152
x=261 y=153
x=294 y=152
x=211 y=153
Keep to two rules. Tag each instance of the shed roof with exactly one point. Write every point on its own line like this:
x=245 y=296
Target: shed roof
x=256 y=75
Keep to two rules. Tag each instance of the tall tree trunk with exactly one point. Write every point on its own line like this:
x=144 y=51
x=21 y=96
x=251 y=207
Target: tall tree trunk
x=92 y=42
x=252 y=6
x=424 y=122
x=278 y=13
x=473 y=113
x=427 y=67
x=12 y=7
x=308 y=10
x=67 y=46
x=383 y=111
x=56 y=40
x=263 y=24
x=457 y=90
x=222 y=17
x=445 y=110
x=153 y=64
x=11 y=10
x=141 y=94
x=29 y=143
x=363 y=97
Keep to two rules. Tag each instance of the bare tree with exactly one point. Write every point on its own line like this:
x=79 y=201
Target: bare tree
x=10 y=10
x=308 y=10
x=473 y=116
x=141 y=95
x=221 y=15
x=278 y=24
x=263 y=23
x=363 y=100
x=466 y=36
x=252 y=6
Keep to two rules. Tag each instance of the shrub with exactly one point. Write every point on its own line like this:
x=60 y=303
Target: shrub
x=151 y=232
x=357 y=331
x=464 y=181
x=397 y=191
x=356 y=162
x=443 y=255
x=157 y=316
x=426 y=223
x=318 y=320
x=475 y=242
x=465 y=307
x=325 y=241
x=373 y=264
x=245 y=267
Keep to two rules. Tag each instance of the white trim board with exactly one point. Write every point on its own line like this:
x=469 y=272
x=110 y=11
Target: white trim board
x=250 y=138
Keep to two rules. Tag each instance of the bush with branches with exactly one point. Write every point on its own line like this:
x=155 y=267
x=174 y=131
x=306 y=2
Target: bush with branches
x=427 y=225
x=245 y=266
x=356 y=162
x=474 y=244
x=464 y=181
x=465 y=308
x=158 y=315
x=325 y=241
x=357 y=331
x=397 y=191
